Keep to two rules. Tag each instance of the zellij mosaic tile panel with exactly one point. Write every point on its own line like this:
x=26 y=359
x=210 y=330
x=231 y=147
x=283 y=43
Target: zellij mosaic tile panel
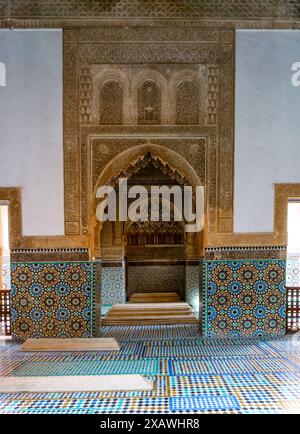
x=51 y=299
x=245 y=298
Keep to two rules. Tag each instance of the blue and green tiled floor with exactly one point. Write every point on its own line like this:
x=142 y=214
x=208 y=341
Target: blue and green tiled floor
x=191 y=374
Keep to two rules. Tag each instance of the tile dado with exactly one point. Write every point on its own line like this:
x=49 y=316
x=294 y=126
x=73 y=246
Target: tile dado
x=245 y=298
x=53 y=299
x=156 y=277
x=62 y=299
x=192 y=286
x=113 y=289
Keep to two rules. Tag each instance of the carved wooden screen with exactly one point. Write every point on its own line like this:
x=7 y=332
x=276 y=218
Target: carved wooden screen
x=5 y=312
x=293 y=310
x=155 y=233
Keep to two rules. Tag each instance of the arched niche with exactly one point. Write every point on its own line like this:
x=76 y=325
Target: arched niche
x=111 y=103
x=187 y=103
x=116 y=84
x=129 y=162
x=187 y=92
x=149 y=103
x=159 y=86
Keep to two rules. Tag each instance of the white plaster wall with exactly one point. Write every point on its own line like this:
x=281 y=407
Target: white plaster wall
x=31 y=145
x=4 y=227
x=294 y=228
x=267 y=124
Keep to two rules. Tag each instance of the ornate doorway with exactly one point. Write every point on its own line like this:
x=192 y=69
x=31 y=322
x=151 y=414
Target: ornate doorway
x=153 y=255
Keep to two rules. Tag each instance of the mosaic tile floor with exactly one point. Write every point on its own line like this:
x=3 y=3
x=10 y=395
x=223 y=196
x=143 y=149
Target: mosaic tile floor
x=191 y=374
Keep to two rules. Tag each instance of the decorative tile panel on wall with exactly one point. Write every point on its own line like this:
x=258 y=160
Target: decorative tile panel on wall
x=293 y=270
x=5 y=261
x=245 y=298
x=51 y=299
x=146 y=277
x=192 y=282
x=96 y=298
x=113 y=285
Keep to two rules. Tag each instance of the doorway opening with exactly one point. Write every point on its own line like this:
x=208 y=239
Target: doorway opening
x=293 y=266
x=148 y=277
x=5 y=287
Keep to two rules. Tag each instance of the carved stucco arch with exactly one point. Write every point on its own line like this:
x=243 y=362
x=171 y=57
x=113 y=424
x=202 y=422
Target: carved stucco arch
x=112 y=74
x=130 y=157
x=196 y=78
x=159 y=79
